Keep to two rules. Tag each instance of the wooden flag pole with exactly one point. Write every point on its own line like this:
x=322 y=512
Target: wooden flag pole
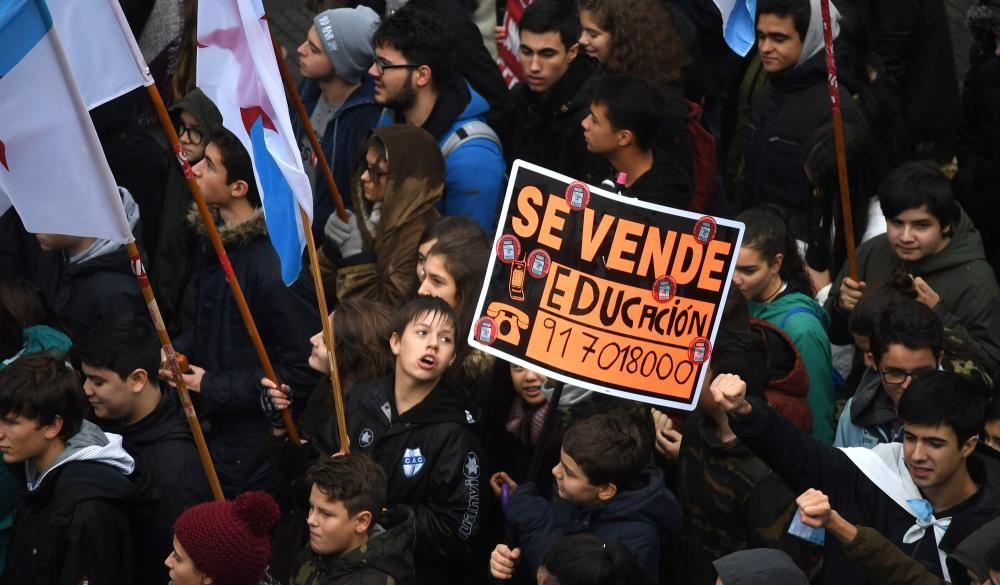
x=338 y=394
x=838 y=140
x=168 y=349
x=220 y=251
x=323 y=165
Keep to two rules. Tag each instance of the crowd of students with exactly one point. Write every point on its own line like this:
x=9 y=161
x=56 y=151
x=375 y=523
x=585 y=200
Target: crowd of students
x=847 y=432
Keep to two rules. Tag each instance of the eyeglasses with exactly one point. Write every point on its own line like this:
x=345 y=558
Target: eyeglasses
x=381 y=65
x=374 y=170
x=194 y=135
x=898 y=377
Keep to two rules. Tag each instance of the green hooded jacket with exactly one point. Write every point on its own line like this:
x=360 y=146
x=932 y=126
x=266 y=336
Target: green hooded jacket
x=806 y=323
x=959 y=274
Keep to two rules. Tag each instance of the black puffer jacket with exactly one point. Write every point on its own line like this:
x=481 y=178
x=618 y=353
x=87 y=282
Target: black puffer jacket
x=546 y=130
x=786 y=111
x=432 y=459
x=286 y=318
x=385 y=559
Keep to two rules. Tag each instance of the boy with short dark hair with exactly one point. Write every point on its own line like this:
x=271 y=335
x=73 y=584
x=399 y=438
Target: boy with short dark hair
x=605 y=487
x=224 y=368
x=906 y=340
x=351 y=538
x=541 y=122
x=626 y=114
x=926 y=494
x=791 y=105
x=120 y=360
x=929 y=237
x=70 y=526
x=417 y=82
x=420 y=431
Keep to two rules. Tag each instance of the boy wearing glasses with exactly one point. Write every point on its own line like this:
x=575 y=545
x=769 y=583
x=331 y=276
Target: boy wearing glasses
x=170 y=267
x=416 y=82
x=906 y=341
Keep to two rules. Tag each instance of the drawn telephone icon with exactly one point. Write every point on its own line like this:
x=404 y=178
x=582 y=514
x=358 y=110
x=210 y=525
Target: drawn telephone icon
x=510 y=321
x=517 y=275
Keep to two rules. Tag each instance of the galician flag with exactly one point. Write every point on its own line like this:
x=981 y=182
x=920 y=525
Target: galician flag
x=52 y=168
x=237 y=70
x=102 y=52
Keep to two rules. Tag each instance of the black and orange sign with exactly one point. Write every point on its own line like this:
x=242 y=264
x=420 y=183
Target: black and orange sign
x=605 y=292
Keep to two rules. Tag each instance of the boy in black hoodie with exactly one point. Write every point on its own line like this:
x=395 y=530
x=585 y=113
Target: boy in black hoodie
x=626 y=115
x=605 y=488
x=119 y=360
x=352 y=540
x=70 y=526
x=420 y=431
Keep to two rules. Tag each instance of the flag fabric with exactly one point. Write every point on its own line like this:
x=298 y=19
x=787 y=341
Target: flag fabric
x=102 y=52
x=238 y=71
x=738 y=24
x=52 y=168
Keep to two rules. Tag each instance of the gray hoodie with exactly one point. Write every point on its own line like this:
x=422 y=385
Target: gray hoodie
x=813 y=43
x=89 y=444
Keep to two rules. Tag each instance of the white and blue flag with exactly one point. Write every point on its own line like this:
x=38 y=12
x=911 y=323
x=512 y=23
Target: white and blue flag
x=52 y=168
x=237 y=70
x=738 y=24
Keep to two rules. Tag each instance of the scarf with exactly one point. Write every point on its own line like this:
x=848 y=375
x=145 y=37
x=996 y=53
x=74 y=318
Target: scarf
x=525 y=422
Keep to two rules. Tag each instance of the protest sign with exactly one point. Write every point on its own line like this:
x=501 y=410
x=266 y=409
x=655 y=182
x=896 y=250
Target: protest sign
x=605 y=292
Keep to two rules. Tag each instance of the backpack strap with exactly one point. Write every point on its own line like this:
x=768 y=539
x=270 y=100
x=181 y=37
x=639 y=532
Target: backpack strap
x=797 y=311
x=468 y=131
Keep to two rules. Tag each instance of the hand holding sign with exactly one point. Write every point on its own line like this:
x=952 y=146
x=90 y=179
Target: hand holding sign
x=730 y=392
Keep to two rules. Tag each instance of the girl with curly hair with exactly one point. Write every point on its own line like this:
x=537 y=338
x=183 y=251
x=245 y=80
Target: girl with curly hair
x=634 y=37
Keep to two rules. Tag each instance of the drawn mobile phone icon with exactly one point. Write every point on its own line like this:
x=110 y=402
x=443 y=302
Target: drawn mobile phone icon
x=576 y=199
x=486 y=332
x=705 y=232
x=699 y=353
x=538 y=265
x=508 y=250
x=663 y=291
x=517 y=274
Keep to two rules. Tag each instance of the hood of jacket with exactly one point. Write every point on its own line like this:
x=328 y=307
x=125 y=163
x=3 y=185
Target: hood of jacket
x=813 y=43
x=964 y=246
x=666 y=182
x=414 y=185
x=871 y=405
x=389 y=550
x=651 y=503
x=364 y=94
x=776 y=309
x=41 y=338
x=163 y=424
x=759 y=566
x=790 y=380
x=89 y=444
x=971 y=552
x=240 y=234
x=198 y=105
x=106 y=247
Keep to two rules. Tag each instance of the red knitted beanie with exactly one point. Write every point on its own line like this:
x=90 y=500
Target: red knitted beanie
x=230 y=541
